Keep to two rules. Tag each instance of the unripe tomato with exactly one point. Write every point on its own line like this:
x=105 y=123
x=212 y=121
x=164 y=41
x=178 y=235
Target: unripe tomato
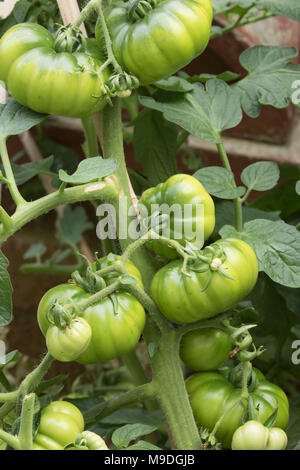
x=195 y=295
x=205 y=348
x=212 y=394
x=251 y=436
x=196 y=220
x=66 y=344
x=47 y=81
x=165 y=39
x=60 y=424
x=117 y=321
x=277 y=439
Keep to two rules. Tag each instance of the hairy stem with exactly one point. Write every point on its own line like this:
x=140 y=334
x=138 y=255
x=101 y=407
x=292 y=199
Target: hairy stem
x=237 y=201
x=25 y=433
x=11 y=183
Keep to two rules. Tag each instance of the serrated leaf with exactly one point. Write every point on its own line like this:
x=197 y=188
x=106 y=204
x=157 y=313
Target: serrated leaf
x=261 y=176
x=91 y=169
x=72 y=224
x=155 y=146
x=219 y=182
x=152 y=348
x=203 y=112
x=176 y=84
x=270 y=78
x=124 y=435
x=15 y=118
x=143 y=445
x=288 y=8
x=36 y=250
x=134 y=415
x=26 y=171
x=5 y=292
x=8 y=358
x=277 y=247
x=225 y=214
x=127 y=280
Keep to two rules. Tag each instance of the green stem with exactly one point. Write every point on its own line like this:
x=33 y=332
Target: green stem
x=108 y=44
x=172 y=394
x=90 y=137
x=5 y=219
x=12 y=441
x=9 y=396
x=30 y=211
x=6 y=409
x=237 y=201
x=25 y=433
x=239 y=24
x=13 y=188
x=86 y=12
x=112 y=145
x=142 y=393
x=33 y=379
x=83 y=305
x=135 y=368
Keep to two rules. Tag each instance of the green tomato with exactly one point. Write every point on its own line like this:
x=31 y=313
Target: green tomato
x=253 y=435
x=92 y=441
x=277 y=439
x=212 y=395
x=186 y=298
x=48 y=81
x=60 y=424
x=117 y=321
x=66 y=294
x=194 y=225
x=162 y=41
x=66 y=344
x=205 y=348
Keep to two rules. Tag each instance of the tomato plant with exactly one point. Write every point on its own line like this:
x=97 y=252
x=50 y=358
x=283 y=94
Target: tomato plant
x=171 y=292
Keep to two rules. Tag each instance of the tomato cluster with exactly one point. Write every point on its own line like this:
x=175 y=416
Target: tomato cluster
x=108 y=328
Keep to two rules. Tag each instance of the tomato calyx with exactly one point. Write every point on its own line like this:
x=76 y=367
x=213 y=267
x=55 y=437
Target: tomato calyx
x=69 y=39
x=122 y=84
x=138 y=9
x=245 y=349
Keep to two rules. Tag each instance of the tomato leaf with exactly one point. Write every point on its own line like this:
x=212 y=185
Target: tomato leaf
x=277 y=247
x=283 y=198
x=203 y=112
x=72 y=225
x=288 y=8
x=225 y=214
x=15 y=118
x=298 y=188
x=5 y=292
x=270 y=78
x=124 y=435
x=176 y=84
x=91 y=169
x=219 y=182
x=36 y=250
x=293 y=430
x=143 y=445
x=155 y=146
x=261 y=176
